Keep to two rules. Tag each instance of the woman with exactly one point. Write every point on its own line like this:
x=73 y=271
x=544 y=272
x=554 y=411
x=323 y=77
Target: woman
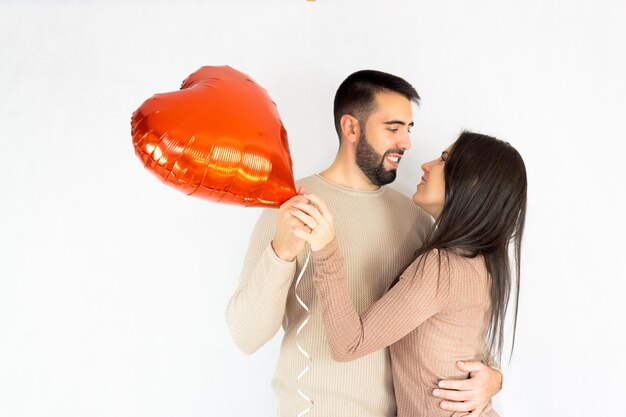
x=454 y=296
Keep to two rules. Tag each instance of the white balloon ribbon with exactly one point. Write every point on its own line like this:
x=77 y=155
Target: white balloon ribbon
x=300 y=348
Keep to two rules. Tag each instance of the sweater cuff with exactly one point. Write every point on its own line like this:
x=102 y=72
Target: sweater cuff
x=328 y=262
x=275 y=270
x=269 y=251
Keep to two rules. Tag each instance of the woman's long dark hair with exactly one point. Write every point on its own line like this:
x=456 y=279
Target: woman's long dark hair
x=484 y=211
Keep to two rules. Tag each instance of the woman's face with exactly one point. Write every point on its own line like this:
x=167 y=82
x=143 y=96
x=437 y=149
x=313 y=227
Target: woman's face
x=431 y=192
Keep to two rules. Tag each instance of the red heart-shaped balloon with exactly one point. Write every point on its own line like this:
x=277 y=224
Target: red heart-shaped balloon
x=219 y=137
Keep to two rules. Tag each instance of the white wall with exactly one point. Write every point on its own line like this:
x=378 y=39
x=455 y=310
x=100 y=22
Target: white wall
x=113 y=286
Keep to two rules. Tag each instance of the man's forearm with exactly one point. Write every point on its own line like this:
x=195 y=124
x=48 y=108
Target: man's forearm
x=256 y=310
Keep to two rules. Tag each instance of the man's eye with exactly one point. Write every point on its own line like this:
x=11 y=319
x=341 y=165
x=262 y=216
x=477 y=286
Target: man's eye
x=394 y=129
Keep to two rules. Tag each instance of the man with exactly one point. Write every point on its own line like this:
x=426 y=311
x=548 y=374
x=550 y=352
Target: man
x=378 y=231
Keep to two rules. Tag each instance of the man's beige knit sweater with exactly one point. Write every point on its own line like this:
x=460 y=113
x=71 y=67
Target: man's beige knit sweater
x=378 y=233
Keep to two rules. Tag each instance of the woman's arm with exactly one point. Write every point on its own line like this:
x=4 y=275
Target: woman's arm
x=422 y=291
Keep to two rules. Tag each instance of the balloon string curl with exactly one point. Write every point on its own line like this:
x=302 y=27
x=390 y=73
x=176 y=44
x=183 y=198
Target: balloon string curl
x=300 y=348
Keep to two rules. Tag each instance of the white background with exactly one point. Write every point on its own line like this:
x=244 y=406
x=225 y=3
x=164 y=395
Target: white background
x=113 y=286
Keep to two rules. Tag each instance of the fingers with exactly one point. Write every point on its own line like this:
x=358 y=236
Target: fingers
x=294 y=223
x=457 y=384
x=453 y=395
x=471 y=366
x=302 y=234
x=471 y=394
x=460 y=406
x=305 y=218
x=309 y=209
x=316 y=209
x=319 y=203
x=458 y=394
x=286 y=217
x=309 y=220
x=291 y=202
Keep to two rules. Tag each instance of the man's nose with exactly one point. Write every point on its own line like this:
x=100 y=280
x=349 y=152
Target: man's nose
x=405 y=142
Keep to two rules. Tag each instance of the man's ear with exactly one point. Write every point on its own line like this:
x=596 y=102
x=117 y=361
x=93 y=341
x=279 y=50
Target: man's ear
x=350 y=128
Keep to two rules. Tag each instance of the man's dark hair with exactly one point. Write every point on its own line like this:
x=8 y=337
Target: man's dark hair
x=355 y=96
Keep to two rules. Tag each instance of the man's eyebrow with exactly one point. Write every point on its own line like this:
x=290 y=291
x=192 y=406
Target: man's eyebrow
x=398 y=122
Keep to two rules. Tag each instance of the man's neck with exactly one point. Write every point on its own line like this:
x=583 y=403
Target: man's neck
x=348 y=175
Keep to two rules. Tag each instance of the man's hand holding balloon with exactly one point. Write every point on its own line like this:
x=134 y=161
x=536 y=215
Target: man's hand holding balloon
x=286 y=244
x=318 y=227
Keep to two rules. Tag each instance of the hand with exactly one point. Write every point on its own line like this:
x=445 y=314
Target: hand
x=473 y=394
x=319 y=230
x=286 y=244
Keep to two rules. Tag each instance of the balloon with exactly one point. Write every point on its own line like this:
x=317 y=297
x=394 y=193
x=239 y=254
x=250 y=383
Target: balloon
x=219 y=137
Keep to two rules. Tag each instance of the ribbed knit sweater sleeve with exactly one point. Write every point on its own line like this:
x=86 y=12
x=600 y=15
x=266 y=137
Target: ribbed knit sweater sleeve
x=422 y=291
x=255 y=311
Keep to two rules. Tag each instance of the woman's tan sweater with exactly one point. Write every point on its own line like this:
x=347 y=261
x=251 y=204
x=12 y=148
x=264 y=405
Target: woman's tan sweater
x=438 y=312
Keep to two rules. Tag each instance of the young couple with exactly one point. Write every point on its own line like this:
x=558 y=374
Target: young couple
x=382 y=274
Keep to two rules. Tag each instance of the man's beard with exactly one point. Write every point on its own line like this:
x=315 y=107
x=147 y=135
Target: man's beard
x=373 y=164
